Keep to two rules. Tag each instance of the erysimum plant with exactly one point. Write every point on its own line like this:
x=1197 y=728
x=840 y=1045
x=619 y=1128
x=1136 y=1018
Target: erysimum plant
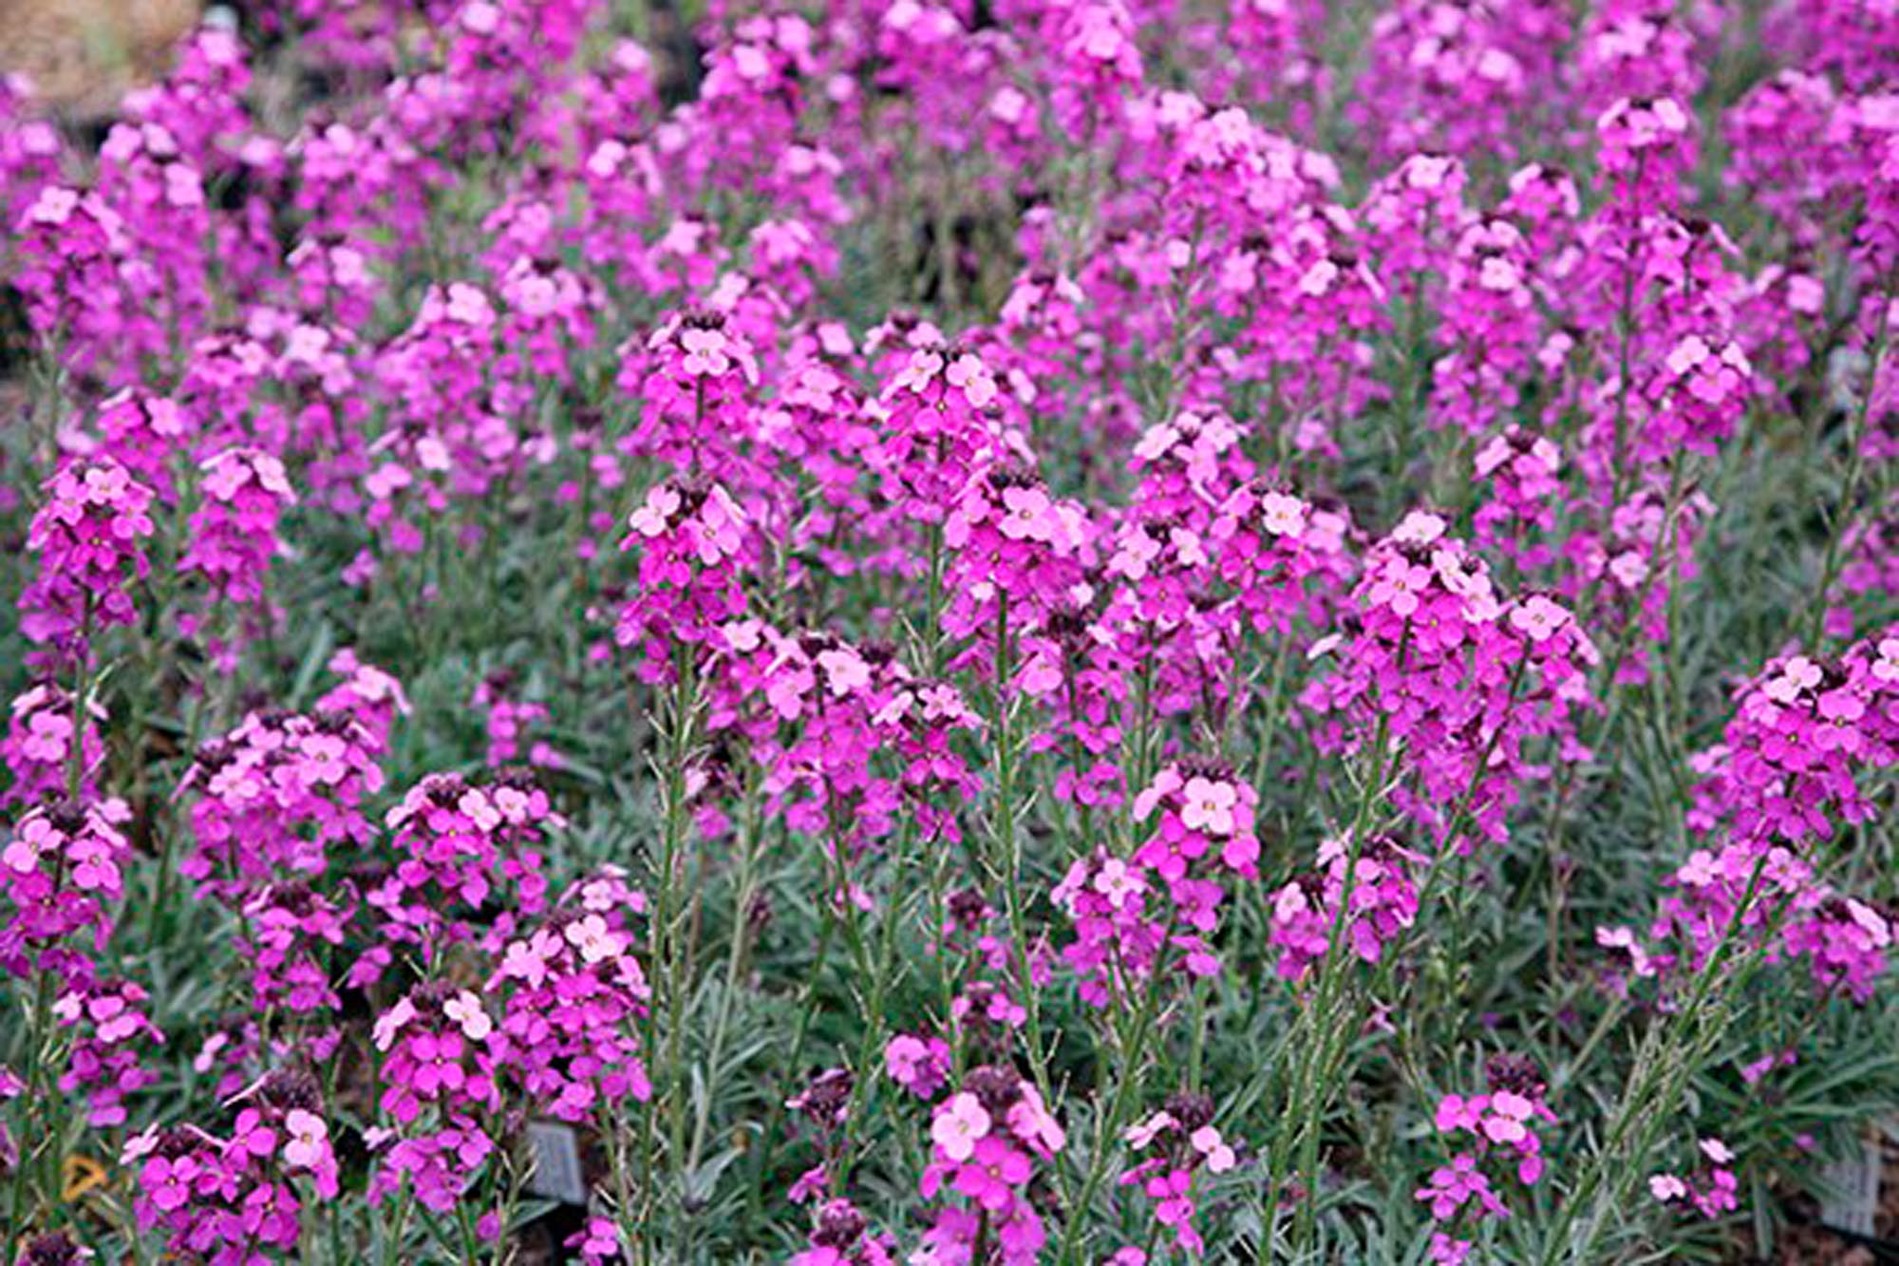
x=960 y=634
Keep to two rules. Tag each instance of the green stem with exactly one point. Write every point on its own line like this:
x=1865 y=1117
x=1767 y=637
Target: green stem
x=1009 y=843
x=1311 y=1100
x=1108 y=1129
x=1557 y=820
x=668 y=1083
x=1667 y=1060
x=746 y=889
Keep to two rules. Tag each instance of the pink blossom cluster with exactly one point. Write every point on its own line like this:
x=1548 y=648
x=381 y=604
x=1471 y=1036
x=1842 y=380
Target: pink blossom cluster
x=573 y=995
x=1465 y=682
x=274 y=795
x=1186 y=1149
x=234 y=533
x=986 y=1141
x=841 y=1238
x=1157 y=909
x=63 y=875
x=849 y=741
x=1712 y=1191
x=440 y=1068
x=39 y=750
x=108 y=1031
x=508 y=719
x=460 y=850
x=1502 y=1145
x=1806 y=738
x=690 y=541
x=86 y=538
x=1759 y=895
x=1381 y=904
x=1126 y=514
x=236 y=1199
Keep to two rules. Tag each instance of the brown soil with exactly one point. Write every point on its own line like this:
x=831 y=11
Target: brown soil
x=84 y=55
x=1809 y=1244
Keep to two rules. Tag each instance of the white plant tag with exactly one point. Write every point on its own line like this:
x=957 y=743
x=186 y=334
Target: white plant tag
x=1852 y=1187
x=556 y=1151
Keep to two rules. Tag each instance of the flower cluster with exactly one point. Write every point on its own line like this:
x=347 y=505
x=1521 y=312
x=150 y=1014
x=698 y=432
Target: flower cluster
x=87 y=539
x=275 y=794
x=573 y=995
x=62 y=874
x=1269 y=543
x=1500 y=1128
x=462 y=851
x=698 y=374
x=841 y=1238
x=71 y=249
x=507 y=719
x=1522 y=471
x=939 y=428
x=1806 y=738
x=691 y=542
x=1760 y=896
x=1186 y=1145
x=234 y=533
x=39 y=748
x=1459 y=680
x=986 y=1139
x=1376 y=884
x=1158 y=908
x=920 y=1065
x=233 y=1199
x=1015 y=551
x=107 y=1025
x=1713 y=1191
x=439 y=1068
x=290 y=933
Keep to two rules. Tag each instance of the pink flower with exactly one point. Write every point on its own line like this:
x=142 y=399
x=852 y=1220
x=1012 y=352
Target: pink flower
x=1209 y=806
x=23 y=851
x=1117 y=881
x=390 y=1022
x=1218 y=1156
x=969 y=374
x=1281 y=514
x=705 y=351
x=1539 y=618
x=655 y=515
x=845 y=669
x=1142 y=1133
x=1398 y=586
x=1026 y=514
x=308 y=1145
x=466 y=1010
x=594 y=939
x=917 y=1065
x=1886 y=666
x=958 y=1125
x=1667 y=1187
x=1796 y=675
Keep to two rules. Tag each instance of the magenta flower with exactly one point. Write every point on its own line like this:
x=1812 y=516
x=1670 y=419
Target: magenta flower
x=959 y=1125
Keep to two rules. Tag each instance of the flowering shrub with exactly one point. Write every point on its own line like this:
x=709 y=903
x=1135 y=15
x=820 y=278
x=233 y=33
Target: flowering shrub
x=946 y=633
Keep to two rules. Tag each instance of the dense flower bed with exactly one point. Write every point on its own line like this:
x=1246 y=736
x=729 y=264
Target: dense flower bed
x=967 y=632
